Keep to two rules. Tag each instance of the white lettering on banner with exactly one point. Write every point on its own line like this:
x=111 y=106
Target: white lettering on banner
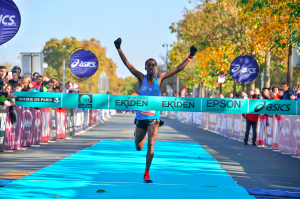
x=3 y=20
x=237 y=125
x=3 y=121
x=286 y=130
x=83 y=64
x=229 y=123
x=243 y=69
x=296 y=131
x=219 y=123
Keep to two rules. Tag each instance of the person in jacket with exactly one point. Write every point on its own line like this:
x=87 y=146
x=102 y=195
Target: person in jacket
x=244 y=95
x=251 y=120
x=38 y=84
x=275 y=90
x=287 y=92
x=281 y=94
x=258 y=94
x=15 y=78
x=26 y=83
x=296 y=95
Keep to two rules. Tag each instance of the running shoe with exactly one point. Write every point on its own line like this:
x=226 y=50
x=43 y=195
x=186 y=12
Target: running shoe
x=147 y=180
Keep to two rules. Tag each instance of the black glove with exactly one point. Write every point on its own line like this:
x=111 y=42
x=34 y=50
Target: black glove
x=118 y=43
x=193 y=51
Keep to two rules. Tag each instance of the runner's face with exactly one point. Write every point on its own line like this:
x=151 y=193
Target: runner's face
x=151 y=67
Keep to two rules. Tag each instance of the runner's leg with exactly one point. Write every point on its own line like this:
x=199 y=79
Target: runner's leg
x=152 y=135
x=139 y=137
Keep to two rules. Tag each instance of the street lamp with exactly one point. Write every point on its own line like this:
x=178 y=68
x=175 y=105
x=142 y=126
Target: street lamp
x=167 y=57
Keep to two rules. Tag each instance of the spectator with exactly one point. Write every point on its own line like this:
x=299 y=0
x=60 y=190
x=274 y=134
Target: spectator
x=251 y=93
x=35 y=74
x=287 y=91
x=296 y=95
x=210 y=96
x=251 y=120
x=2 y=78
x=74 y=90
x=38 y=85
x=8 y=89
x=26 y=83
x=257 y=93
x=18 y=69
x=61 y=88
x=221 y=96
x=49 y=87
x=231 y=95
x=270 y=89
x=14 y=79
x=238 y=96
x=56 y=83
x=265 y=93
x=56 y=90
x=17 y=87
x=281 y=94
x=46 y=79
x=244 y=95
x=67 y=87
x=276 y=89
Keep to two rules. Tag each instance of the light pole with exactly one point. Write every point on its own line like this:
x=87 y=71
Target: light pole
x=167 y=57
x=64 y=68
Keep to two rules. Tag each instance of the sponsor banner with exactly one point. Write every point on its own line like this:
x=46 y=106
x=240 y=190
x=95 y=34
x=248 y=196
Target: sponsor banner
x=243 y=128
x=53 y=135
x=60 y=123
x=63 y=122
x=190 y=117
x=72 y=121
x=83 y=63
x=276 y=131
x=85 y=119
x=219 y=122
x=261 y=130
x=229 y=125
x=212 y=123
x=204 y=120
x=237 y=124
x=10 y=20
x=197 y=118
x=38 y=127
x=68 y=118
x=78 y=124
x=287 y=140
x=3 y=115
x=46 y=124
x=27 y=126
x=223 y=129
x=269 y=131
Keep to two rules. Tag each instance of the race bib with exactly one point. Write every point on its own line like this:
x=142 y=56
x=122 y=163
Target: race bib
x=148 y=113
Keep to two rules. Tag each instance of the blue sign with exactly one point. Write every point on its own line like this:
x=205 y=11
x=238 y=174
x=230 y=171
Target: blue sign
x=244 y=69
x=83 y=63
x=10 y=20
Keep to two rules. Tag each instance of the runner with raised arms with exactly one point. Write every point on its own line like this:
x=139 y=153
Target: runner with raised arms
x=149 y=121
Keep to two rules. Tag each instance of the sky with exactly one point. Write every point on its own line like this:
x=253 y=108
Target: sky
x=142 y=25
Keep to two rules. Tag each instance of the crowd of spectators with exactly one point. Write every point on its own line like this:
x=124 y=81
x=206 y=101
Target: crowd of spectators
x=13 y=81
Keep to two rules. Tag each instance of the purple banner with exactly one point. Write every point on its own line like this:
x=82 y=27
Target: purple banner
x=204 y=120
x=78 y=127
x=37 y=133
x=287 y=140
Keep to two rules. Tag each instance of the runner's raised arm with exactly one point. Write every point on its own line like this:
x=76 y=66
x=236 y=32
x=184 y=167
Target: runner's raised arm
x=179 y=68
x=131 y=68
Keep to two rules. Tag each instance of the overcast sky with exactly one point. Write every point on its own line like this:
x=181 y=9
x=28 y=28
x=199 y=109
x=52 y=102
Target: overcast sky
x=142 y=25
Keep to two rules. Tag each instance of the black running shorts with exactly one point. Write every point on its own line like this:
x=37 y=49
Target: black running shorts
x=143 y=124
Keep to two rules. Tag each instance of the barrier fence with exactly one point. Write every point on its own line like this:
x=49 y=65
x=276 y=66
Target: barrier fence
x=36 y=125
x=280 y=132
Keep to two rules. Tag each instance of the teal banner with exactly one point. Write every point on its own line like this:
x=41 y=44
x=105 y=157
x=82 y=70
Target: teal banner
x=129 y=102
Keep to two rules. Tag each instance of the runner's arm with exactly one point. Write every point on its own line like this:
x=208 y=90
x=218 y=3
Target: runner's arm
x=130 y=67
x=179 y=68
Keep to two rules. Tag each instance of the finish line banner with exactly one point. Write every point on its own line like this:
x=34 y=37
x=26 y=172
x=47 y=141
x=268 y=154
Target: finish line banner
x=129 y=102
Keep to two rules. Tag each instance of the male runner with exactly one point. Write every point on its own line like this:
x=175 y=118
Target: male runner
x=150 y=86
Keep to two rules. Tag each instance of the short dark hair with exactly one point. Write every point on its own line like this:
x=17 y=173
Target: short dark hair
x=280 y=90
x=284 y=83
x=2 y=67
x=17 y=85
x=35 y=73
x=265 y=89
x=14 y=71
x=296 y=85
x=149 y=60
x=18 y=68
x=56 y=88
x=50 y=81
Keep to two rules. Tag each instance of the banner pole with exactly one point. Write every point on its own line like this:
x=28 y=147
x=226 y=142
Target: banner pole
x=64 y=67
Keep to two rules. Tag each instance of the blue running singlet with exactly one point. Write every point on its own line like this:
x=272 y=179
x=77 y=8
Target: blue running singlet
x=148 y=90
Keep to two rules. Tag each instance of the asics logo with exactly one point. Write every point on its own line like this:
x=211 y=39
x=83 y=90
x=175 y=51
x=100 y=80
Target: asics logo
x=79 y=63
x=243 y=69
x=7 y=20
x=260 y=107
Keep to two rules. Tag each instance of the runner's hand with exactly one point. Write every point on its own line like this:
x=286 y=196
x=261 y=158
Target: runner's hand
x=118 y=43
x=193 y=51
